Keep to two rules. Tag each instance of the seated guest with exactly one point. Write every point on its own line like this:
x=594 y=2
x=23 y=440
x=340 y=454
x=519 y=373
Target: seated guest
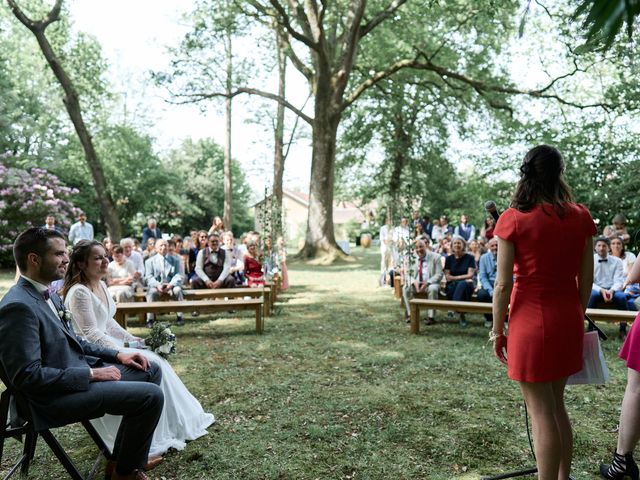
x=402 y=231
x=200 y=243
x=108 y=246
x=632 y=294
x=270 y=260
x=282 y=253
x=162 y=276
x=63 y=376
x=150 y=231
x=92 y=309
x=475 y=250
x=426 y=279
x=459 y=269
x=236 y=256
x=120 y=274
x=607 y=280
x=134 y=257
x=50 y=223
x=418 y=231
x=444 y=224
x=252 y=265
x=173 y=251
x=465 y=229
x=487 y=277
x=618 y=251
x=427 y=226
x=212 y=266
x=437 y=232
x=618 y=229
x=486 y=231
x=150 y=251
x=217 y=226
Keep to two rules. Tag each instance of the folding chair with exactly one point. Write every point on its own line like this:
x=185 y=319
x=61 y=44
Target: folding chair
x=16 y=421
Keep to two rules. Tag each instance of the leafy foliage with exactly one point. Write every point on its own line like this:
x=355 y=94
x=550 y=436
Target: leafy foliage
x=604 y=19
x=26 y=198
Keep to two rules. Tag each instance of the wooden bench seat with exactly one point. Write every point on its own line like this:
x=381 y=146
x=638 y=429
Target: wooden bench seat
x=173 y=306
x=220 y=293
x=416 y=304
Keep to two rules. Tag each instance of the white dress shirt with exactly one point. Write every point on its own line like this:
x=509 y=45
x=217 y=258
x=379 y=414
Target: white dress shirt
x=80 y=231
x=137 y=261
x=607 y=273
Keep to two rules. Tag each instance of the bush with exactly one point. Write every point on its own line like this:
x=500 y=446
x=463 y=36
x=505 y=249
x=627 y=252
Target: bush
x=26 y=197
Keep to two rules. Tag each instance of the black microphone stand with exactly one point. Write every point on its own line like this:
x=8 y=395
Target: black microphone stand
x=531 y=471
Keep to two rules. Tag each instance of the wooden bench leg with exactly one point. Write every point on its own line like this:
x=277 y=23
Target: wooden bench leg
x=415 y=318
x=267 y=303
x=259 y=323
x=121 y=319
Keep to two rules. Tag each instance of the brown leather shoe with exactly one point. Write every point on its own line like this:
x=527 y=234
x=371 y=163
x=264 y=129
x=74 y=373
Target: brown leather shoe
x=152 y=462
x=135 y=475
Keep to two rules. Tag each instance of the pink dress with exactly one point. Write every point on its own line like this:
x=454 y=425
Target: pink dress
x=630 y=351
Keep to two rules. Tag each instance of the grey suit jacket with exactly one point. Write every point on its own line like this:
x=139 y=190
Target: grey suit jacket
x=161 y=269
x=40 y=355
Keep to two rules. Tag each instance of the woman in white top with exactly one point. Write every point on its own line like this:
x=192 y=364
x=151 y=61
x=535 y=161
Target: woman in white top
x=618 y=250
x=120 y=275
x=92 y=308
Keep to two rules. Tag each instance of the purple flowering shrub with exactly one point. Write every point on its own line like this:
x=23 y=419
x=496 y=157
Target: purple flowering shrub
x=26 y=197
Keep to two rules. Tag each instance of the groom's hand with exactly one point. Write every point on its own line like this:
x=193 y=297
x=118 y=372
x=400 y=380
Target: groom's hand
x=133 y=360
x=106 y=374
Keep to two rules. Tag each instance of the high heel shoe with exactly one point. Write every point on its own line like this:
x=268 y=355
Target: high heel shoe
x=622 y=468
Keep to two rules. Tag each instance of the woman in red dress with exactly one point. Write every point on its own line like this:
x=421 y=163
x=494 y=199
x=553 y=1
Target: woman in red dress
x=623 y=465
x=252 y=266
x=546 y=320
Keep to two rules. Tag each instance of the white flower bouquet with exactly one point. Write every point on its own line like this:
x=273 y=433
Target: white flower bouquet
x=161 y=340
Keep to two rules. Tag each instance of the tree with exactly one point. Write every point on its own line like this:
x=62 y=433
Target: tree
x=206 y=57
x=197 y=166
x=26 y=198
x=72 y=104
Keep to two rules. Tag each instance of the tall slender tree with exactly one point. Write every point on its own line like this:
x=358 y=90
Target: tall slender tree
x=72 y=103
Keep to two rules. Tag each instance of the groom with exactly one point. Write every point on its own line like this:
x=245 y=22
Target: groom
x=64 y=378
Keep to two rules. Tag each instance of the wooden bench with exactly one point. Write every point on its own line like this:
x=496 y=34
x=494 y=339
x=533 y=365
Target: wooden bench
x=174 y=306
x=221 y=293
x=416 y=304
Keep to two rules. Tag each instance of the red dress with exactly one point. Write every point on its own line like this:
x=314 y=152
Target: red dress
x=546 y=323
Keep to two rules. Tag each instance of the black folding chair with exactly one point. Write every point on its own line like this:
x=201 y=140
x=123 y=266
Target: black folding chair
x=16 y=422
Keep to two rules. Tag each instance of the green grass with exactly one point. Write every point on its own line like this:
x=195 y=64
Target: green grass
x=337 y=388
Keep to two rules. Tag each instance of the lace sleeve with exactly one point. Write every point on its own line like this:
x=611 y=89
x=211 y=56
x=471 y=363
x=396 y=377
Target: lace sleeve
x=113 y=328
x=85 y=322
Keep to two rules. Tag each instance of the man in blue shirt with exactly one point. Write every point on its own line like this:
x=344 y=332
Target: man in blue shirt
x=487 y=277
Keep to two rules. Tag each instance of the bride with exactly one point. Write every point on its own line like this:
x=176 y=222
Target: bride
x=92 y=309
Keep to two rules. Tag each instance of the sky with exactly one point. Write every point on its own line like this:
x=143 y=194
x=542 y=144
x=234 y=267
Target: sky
x=134 y=36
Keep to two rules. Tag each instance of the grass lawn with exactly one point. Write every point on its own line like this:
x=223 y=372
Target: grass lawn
x=337 y=388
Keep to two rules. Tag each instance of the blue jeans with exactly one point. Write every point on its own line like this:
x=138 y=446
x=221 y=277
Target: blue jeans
x=459 y=290
x=486 y=297
x=619 y=300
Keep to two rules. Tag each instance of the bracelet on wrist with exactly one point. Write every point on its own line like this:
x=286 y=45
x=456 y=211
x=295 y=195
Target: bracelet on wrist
x=493 y=336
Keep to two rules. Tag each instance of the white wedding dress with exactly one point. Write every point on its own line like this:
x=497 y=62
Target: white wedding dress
x=182 y=417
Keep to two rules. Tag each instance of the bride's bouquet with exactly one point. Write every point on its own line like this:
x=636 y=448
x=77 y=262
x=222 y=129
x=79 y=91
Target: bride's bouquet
x=161 y=340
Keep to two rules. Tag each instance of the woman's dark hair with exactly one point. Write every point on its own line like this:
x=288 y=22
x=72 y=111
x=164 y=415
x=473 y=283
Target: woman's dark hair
x=79 y=255
x=542 y=180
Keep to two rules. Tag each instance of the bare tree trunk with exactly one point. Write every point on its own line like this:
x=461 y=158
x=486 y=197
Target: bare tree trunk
x=227 y=148
x=278 y=159
x=320 y=240
x=72 y=104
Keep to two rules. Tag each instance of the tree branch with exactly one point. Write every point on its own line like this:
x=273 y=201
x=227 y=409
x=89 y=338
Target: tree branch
x=283 y=19
x=198 y=97
x=40 y=25
x=479 y=86
x=381 y=17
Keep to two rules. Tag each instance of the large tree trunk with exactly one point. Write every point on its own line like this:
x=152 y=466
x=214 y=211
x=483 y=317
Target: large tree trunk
x=72 y=104
x=320 y=240
x=227 y=218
